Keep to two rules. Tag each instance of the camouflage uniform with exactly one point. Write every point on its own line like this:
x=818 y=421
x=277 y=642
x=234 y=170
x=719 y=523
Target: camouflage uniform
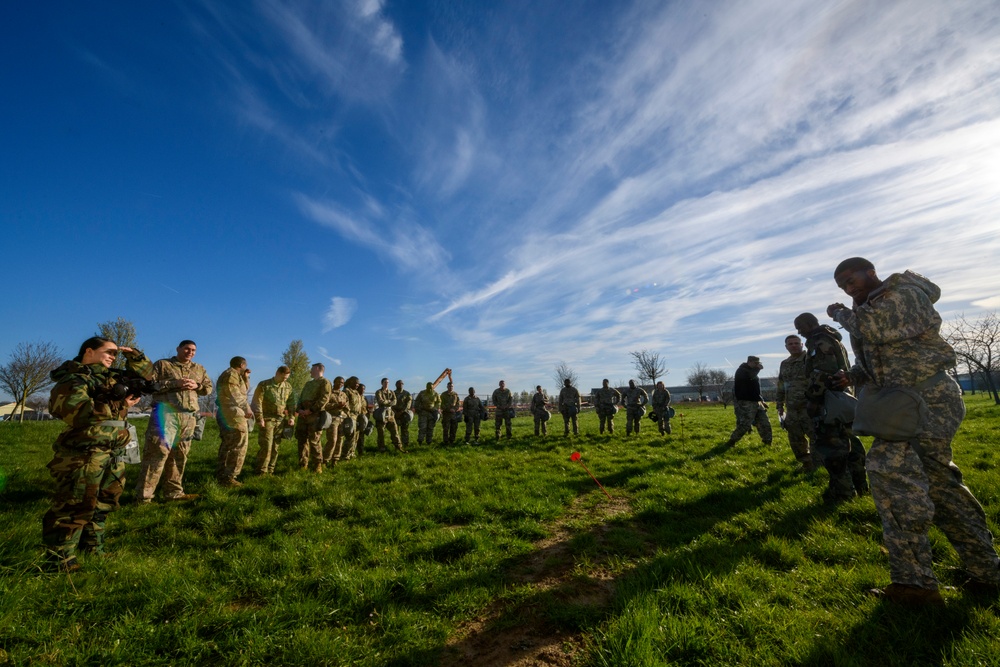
x=89 y=477
x=472 y=409
x=503 y=404
x=605 y=400
x=171 y=425
x=273 y=403
x=569 y=406
x=426 y=406
x=404 y=401
x=791 y=399
x=750 y=408
x=634 y=398
x=314 y=397
x=538 y=412
x=385 y=401
x=661 y=406
x=339 y=408
x=354 y=434
x=450 y=404
x=234 y=432
x=897 y=343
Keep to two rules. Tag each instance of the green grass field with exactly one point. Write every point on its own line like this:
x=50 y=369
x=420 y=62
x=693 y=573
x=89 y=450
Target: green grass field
x=492 y=555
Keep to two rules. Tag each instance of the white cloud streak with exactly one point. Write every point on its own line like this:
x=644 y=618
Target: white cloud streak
x=339 y=313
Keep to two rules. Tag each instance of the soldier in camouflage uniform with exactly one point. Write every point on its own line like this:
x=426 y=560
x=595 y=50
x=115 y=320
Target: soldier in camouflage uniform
x=635 y=400
x=606 y=400
x=503 y=405
x=385 y=418
x=356 y=419
x=402 y=414
x=338 y=407
x=426 y=406
x=86 y=465
x=661 y=406
x=232 y=415
x=791 y=391
x=895 y=332
x=749 y=406
x=364 y=419
x=451 y=402
x=274 y=406
x=569 y=407
x=538 y=411
x=171 y=424
x=308 y=432
x=472 y=409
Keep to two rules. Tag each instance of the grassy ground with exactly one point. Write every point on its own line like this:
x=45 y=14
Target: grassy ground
x=492 y=555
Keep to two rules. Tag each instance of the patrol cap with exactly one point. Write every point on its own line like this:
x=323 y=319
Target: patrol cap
x=753 y=358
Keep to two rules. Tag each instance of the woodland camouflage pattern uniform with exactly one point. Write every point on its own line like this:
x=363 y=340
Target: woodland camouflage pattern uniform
x=503 y=403
x=451 y=402
x=749 y=406
x=404 y=401
x=170 y=428
x=272 y=403
x=385 y=401
x=605 y=400
x=314 y=397
x=897 y=343
x=538 y=411
x=660 y=403
x=426 y=406
x=234 y=434
x=791 y=399
x=472 y=409
x=634 y=398
x=357 y=408
x=569 y=406
x=339 y=408
x=89 y=478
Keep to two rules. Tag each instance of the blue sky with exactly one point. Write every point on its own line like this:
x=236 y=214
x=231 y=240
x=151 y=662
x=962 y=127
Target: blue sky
x=491 y=187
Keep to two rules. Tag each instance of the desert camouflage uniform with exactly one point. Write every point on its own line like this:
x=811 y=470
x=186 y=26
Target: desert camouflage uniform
x=897 y=343
x=791 y=395
x=538 y=412
x=314 y=397
x=171 y=425
x=339 y=408
x=404 y=401
x=605 y=401
x=88 y=476
x=426 y=405
x=385 y=401
x=503 y=404
x=234 y=434
x=450 y=404
x=634 y=398
x=750 y=408
x=272 y=403
x=569 y=406
x=472 y=410
x=661 y=406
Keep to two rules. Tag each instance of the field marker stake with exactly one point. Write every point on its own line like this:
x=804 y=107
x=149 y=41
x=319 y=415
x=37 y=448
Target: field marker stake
x=575 y=456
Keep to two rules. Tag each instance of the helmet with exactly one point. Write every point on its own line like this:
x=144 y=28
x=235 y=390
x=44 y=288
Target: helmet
x=544 y=415
x=324 y=420
x=653 y=416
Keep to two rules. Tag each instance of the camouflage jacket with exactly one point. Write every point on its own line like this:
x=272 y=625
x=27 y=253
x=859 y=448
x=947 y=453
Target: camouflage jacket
x=171 y=373
x=635 y=397
x=385 y=398
x=538 y=401
x=339 y=405
x=607 y=397
x=895 y=333
x=503 y=399
x=792 y=381
x=78 y=399
x=232 y=396
x=660 y=400
x=472 y=406
x=825 y=356
x=315 y=395
x=273 y=399
x=357 y=405
x=569 y=397
x=450 y=401
x=427 y=401
x=403 y=401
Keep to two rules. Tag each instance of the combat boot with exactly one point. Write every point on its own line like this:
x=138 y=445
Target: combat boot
x=910 y=596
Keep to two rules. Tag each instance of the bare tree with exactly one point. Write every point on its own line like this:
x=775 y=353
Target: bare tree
x=122 y=332
x=297 y=360
x=562 y=373
x=718 y=377
x=649 y=365
x=977 y=343
x=28 y=370
x=699 y=378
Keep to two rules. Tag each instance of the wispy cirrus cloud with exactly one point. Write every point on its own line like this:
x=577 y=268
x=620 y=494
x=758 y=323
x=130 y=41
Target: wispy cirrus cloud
x=339 y=313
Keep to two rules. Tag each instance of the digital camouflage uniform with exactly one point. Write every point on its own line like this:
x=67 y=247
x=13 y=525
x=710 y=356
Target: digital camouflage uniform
x=451 y=402
x=749 y=406
x=472 y=411
x=339 y=409
x=88 y=474
x=605 y=401
x=569 y=407
x=897 y=343
x=635 y=398
x=234 y=433
x=272 y=404
x=539 y=412
x=171 y=425
x=791 y=399
x=426 y=405
x=660 y=402
x=385 y=419
x=404 y=401
x=503 y=404
x=314 y=397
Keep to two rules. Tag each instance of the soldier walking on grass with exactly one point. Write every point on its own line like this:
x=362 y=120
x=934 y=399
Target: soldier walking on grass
x=791 y=392
x=749 y=406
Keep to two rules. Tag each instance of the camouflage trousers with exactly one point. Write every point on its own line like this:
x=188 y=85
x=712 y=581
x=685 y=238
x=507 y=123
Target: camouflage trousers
x=425 y=426
x=633 y=420
x=607 y=419
x=393 y=435
x=750 y=415
x=663 y=421
x=309 y=439
x=472 y=423
x=403 y=428
x=449 y=428
x=502 y=419
x=799 y=426
x=233 y=443
x=358 y=445
x=347 y=439
x=165 y=453
x=268 y=439
x=915 y=484
x=571 y=419
x=541 y=427
x=843 y=456
x=88 y=484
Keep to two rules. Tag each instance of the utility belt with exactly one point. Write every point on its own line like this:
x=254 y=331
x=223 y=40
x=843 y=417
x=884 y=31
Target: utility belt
x=130 y=453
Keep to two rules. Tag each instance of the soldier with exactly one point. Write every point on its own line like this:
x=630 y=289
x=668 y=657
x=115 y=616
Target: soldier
x=472 y=409
x=312 y=418
x=385 y=419
x=363 y=430
x=426 y=405
x=402 y=414
x=538 y=410
x=355 y=421
x=503 y=404
x=274 y=406
x=232 y=415
x=339 y=409
x=749 y=406
x=791 y=391
x=606 y=400
x=569 y=406
x=635 y=400
x=87 y=466
x=895 y=332
x=661 y=406
x=171 y=425
x=451 y=402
